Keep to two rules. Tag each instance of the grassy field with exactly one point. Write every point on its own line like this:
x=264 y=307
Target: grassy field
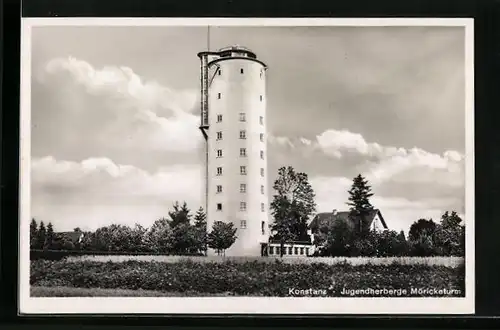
x=242 y=277
x=64 y=291
x=429 y=261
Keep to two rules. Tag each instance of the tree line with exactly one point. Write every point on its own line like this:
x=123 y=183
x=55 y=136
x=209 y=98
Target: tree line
x=292 y=207
x=294 y=204
x=180 y=234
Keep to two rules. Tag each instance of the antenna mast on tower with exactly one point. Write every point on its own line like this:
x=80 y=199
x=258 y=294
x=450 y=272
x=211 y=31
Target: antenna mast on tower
x=208 y=38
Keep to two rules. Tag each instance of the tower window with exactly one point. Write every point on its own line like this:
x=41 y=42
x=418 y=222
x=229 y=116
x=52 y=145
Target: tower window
x=219 y=153
x=219 y=189
x=218 y=96
x=219 y=206
x=243 y=188
x=243 y=116
x=243 y=224
x=261 y=120
x=262 y=189
x=220 y=72
x=260 y=97
x=261 y=154
x=243 y=170
x=243 y=152
x=241 y=70
x=243 y=206
x=262 y=207
x=219 y=170
x=219 y=118
x=261 y=172
x=243 y=134
x=261 y=137
x=263 y=227
x=219 y=135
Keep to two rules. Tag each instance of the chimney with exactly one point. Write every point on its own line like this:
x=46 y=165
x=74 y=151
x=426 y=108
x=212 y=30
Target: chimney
x=334 y=211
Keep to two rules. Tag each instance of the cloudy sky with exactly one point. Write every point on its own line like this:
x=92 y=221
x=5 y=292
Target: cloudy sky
x=114 y=117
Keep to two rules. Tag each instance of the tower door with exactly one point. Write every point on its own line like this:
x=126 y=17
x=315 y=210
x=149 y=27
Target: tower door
x=263 y=250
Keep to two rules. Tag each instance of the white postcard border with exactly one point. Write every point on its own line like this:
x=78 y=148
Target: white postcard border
x=240 y=305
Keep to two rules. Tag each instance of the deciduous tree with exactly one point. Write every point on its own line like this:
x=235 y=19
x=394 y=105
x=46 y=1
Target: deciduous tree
x=292 y=205
x=449 y=235
x=159 y=237
x=421 y=227
x=222 y=236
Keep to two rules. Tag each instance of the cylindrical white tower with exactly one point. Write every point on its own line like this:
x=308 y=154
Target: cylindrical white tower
x=233 y=120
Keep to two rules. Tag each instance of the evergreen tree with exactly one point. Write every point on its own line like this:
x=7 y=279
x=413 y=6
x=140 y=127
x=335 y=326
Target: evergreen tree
x=200 y=225
x=180 y=215
x=49 y=237
x=40 y=242
x=359 y=202
x=200 y=219
x=33 y=234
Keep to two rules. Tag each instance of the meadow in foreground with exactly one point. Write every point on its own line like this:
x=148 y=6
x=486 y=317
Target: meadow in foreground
x=246 y=278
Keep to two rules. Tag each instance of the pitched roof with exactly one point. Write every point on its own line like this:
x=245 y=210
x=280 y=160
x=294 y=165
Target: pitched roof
x=73 y=236
x=328 y=217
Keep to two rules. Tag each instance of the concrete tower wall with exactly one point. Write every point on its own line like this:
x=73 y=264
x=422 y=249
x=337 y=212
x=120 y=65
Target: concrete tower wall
x=239 y=88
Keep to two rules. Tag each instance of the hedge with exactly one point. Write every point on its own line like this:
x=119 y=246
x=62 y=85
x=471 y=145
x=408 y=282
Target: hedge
x=61 y=254
x=250 y=278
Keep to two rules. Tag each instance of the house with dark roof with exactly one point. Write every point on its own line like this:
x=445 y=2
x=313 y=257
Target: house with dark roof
x=71 y=236
x=373 y=221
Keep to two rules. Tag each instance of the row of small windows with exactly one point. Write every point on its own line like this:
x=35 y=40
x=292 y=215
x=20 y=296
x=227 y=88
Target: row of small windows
x=242 y=117
x=243 y=171
x=243 y=225
x=241 y=71
x=219 y=96
x=243 y=153
x=243 y=135
x=289 y=250
x=243 y=189
x=243 y=206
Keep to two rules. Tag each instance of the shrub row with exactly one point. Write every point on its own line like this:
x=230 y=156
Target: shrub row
x=430 y=261
x=60 y=254
x=249 y=278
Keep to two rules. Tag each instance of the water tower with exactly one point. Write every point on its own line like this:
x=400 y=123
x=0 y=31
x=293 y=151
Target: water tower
x=233 y=123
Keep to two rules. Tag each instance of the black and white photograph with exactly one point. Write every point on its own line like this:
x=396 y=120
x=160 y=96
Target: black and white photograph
x=292 y=166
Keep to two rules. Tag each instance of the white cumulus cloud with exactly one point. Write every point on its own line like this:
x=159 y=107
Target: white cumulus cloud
x=97 y=192
x=111 y=109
